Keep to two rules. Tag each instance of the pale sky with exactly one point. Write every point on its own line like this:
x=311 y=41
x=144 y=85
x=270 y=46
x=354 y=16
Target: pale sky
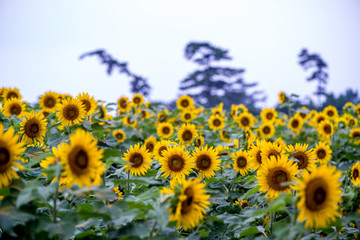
x=40 y=42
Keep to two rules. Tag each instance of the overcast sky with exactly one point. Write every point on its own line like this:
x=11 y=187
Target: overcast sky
x=40 y=42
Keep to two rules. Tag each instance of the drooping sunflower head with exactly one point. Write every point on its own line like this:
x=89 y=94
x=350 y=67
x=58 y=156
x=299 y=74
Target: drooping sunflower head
x=82 y=160
x=165 y=130
x=119 y=135
x=355 y=135
x=245 y=120
x=139 y=160
x=162 y=116
x=188 y=203
x=13 y=106
x=160 y=147
x=216 y=122
x=70 y=112
x=331 y=112
x=199 y=141
x=255 y=156
x=322 y=152
x=268 y=114
x=225 y=136
x=176 y=162
x=319 y=193
x=218 y=110
x=326 y=129
x=130 y=121
x=355 y=174
x=9 y=93
x=349 y=107
x=275 y=174
x=49 y=100
x=137 y=99
x=267 y=130
x=318 y=118
x=206 y=161
x=150 y=143
x=295 y=123
x=357 y=109
x=10 y=148
x=282 y=97
x=305 y=158
x=188 y=115
x=33 y=127
x=124 y=105
x=269 y=149
x=184 y=102
x=304 y=113
x=242 y=162
x=88 y=102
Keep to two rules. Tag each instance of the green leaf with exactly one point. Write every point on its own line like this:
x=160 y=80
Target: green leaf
x=54 y=140
x=251 y=231
x=251 y=191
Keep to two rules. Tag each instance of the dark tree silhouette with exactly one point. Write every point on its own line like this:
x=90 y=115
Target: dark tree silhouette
x=138 y=83
x=307 y=60
x=214 y=84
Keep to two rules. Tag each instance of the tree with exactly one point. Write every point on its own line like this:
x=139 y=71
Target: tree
x=214 y=84
x=138 y=83
x=307 y=60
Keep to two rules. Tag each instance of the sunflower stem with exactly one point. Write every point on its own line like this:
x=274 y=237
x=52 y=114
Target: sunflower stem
x=152 y=230
x=295 y=210
x=272 y=217
x=55 y=200
x=128 y=182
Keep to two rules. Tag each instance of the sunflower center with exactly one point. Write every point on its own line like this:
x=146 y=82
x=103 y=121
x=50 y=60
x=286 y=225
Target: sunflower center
x=136 y=160
x=356 y=134
x=266 y=130
x=87 y=104
x=187 y=135
x=119 y=136
x=161 y=149
x=258 y=157
x=45 y=113
x=176 y=163
x=351 y=122
x=166 y=130
x=71 y=112
x=136 y=100
x=355 y=173
x=302 y=115
x=327 y=129
x=15 y=109
x=320 y=119
x=150 y=147
x=184 y=103
x=12 y=95
x=303 y=159
x=187 y=116
x=186 y=205
x=269 y=116
x=32 y=128
x=276 y=177
x=321 y=153
x=4 y=156
x=315 y=194
x=330 y=113
x=49 y=102
x=245 y=121
x=78 y=160
x=123 y=103
x=203 y=162
x=216 y=122
x=241 y=162
x=295 y=123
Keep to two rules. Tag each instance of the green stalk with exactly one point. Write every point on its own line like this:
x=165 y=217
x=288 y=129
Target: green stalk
x=272 y=218
x=55 y=200
x=129 y=182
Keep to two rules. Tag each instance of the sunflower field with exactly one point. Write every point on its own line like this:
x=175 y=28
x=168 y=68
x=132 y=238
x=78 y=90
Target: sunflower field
x=72 y=167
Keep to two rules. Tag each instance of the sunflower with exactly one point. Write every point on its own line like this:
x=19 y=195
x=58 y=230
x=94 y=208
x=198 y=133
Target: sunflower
x=355 y=135
x=199 y=141
x=245 y=120
x=176 y=162
x=149 y=144
x=349 y=107
x=355 y=174
x=82 y=160
x=218 y=110
x=282 y=97
x=351 y=121
x=48 y=101
x=188 y=115
x=54 y=159
x=33 y=127
x=319 y=193
x=88 y=101
x=187 y=133
x=10 y=148
x=70 y=112
x=295 y=123
x=139 y=159
x=225 y=136
x=242 y=162
x=267 y=129
x=137 y=99
x=188 y=203
x=357 y=110
x=269 y=149
x=216 y=122
x=305 y=158
x=318 y=118
x=165 y=130
x=322 y=152
x=184 y=102
x=162 y=116
x=144 y=114
x=160 y=147
x=331 y=112
x=124 y=105
x=13 y=106
x=274 y=173
x=303 y=113
x=129 y=121
x=206 y=161
x=326 y=129
x=255 y=156
x=268 y=114
x=119 y=135
x=11 y=93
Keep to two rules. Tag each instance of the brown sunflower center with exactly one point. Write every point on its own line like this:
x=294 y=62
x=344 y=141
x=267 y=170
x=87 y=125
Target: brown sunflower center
x=4 y=157
x=320 y=119
x=315 y=194
x=302 y=158
x=266 y=130
x=241 y=162
x=356 y=134
x=161 y=149
x=269 y=116
x=137 y=100
x=15 y=109
x=351 y=122
x=71 y=112
x=217 y=122
x=87 y=104
x=119 y=136
x=258 y=157
x=136 y=160
x=330 y=113
x=302 y=115
x=294 y=123
x=327 y=129
x=45 y=113
x=321 y=153
x=150 y=146
x=123 y=103
x=187 y=135
x=187 y=116
x=49 y=102
x=186 y=205
x=32 y=128
x=355 y=173
x=276 y=177
x=176 y=163
x=203 y=162
x=12 y=94
x=78 y=160
x=166 y=130
x=184 y=103
x=245 y=121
